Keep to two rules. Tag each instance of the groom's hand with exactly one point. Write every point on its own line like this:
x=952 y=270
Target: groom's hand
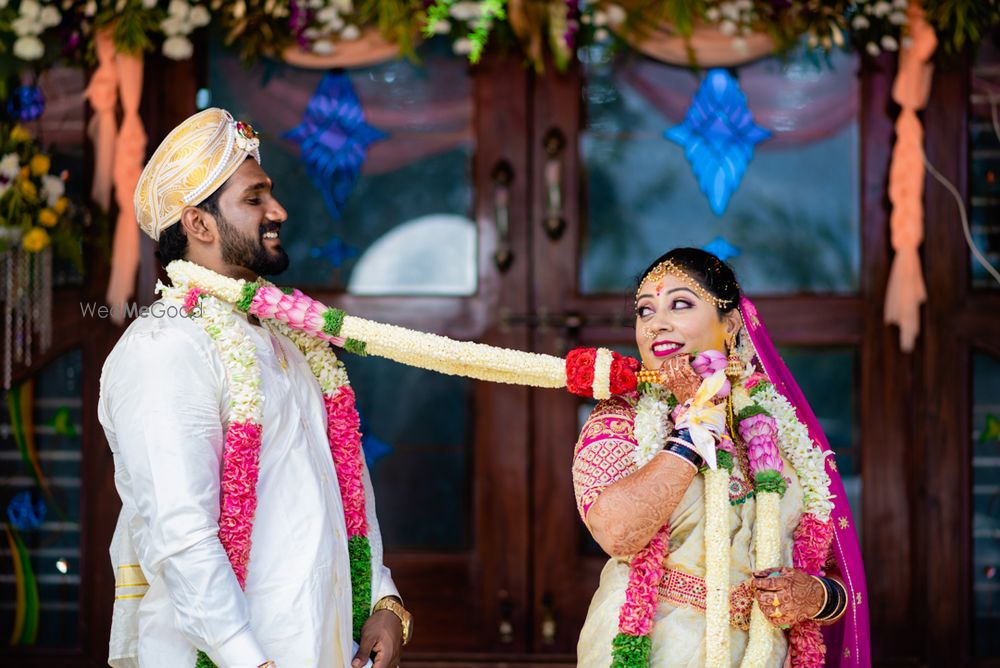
x=383 y=635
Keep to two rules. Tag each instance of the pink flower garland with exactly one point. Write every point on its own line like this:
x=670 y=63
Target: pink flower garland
x=809 y=551
x=295 y=309
x=641 y=595
x=240 y=469
x=344 y=432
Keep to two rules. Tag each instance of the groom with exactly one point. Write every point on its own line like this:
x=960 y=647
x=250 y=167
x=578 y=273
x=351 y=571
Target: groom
x=169 y=392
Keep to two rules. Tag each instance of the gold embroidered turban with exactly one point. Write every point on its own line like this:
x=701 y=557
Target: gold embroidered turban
x=193 y=161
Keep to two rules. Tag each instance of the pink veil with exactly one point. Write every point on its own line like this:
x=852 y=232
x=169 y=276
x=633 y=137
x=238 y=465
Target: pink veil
x=848 y=641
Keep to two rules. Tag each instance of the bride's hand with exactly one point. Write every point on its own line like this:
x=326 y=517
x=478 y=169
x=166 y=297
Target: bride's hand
x=787 y=596
x=679 y=377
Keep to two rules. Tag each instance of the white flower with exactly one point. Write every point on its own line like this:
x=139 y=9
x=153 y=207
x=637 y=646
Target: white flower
x=600 y=18
x=616 y=15
x=52 y=189
x=149 y=4
x=462 y=46
x=860 y=22
x=872 y=49
x=465 y=11
x=323 y=47
x=441 y=28
x=727 y=28
x=29 y=47
x=10 y=166
x=344 y=6
x=26 y=25
x=897 y=18
x=50 y=16
x=178 y=47
x=178 y=8
x=729 y=10
x=30 y=9
x=90 y=9
x=199 y=17
x=900 y=4
x=601 y=34
x=334 y=23
x=173 y=26
x=713 y=14
x=889 y=43
x=350 y=33
x=3 y=4
x=882 y=8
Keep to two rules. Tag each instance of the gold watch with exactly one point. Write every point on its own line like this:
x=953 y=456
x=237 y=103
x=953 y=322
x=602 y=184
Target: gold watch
x=395 y=607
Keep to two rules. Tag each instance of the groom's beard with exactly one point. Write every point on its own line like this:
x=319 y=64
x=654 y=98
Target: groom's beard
x=250 y=252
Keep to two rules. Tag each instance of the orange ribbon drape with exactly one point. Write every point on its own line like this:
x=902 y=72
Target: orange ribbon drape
x=130 y=153
x=102 y=93
x=906 y=290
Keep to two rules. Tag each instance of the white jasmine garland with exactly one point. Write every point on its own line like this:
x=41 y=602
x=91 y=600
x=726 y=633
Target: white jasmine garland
x=651 y=422
x=602 y=374
x=717 y=568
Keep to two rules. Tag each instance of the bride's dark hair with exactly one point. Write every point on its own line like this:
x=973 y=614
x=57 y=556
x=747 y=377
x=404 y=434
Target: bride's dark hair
x=711 y=273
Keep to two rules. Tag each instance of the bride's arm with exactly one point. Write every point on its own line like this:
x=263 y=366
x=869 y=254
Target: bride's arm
x=627 y=514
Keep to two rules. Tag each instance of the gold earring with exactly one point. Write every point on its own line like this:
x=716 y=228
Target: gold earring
x=734 y=365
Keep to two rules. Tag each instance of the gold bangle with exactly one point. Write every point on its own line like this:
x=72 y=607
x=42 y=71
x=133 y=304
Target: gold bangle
x=826 y=594
x=268 y=664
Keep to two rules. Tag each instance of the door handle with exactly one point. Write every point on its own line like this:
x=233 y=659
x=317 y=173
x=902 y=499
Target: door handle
x=502 y=175
x=548 y=619
x=553 y=223
x=506 y=626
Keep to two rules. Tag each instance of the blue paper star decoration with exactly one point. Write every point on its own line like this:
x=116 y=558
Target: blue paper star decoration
x=721 y=248
x=718 y=136
x=334 y=139
x=335 y=251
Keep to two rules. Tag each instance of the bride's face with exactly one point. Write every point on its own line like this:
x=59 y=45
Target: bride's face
x=671 y=319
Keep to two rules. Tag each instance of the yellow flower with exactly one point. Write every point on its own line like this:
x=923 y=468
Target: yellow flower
x=20 y=134
x=61 y=205
x=48 y=218
x=40 y=164
x=25 y=173
x=28 y=188
x=35 y=240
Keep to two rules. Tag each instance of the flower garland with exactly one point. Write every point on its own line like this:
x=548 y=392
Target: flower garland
x=767 y=420
x=758 y=431
x=203 y=295
x=655 y=410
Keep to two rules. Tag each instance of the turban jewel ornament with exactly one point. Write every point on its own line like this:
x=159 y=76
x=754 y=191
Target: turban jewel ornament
x=718 y=136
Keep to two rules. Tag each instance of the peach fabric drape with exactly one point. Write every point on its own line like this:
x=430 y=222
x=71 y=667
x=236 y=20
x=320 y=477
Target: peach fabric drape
x=906 y=290
x=130 y=152
x=103 y=129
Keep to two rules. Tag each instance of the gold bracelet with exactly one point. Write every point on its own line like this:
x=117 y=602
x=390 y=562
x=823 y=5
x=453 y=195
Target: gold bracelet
x=826 y=594
x=268 y=664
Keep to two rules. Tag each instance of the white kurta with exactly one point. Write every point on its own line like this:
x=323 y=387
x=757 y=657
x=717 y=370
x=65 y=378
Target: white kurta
x=164 y=406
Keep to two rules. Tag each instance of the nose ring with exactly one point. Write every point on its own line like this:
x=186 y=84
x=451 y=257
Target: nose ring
x=650 y=334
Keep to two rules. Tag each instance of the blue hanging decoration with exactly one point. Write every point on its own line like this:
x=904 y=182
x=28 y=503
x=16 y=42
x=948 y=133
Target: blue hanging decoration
x=373 y=447
x=721 y=248
x=26 y=512
x=334 y=138
x=26 y=103
x=718 y=136
x=335 y=251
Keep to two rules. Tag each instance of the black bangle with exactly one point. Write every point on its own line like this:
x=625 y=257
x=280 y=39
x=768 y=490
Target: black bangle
x=836 y=601
x=684 y=451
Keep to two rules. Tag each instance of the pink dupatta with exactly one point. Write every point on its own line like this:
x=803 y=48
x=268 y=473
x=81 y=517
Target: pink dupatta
x=848 y=642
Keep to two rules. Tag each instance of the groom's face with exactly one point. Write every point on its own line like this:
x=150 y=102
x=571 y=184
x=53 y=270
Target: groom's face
x=249 y=222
